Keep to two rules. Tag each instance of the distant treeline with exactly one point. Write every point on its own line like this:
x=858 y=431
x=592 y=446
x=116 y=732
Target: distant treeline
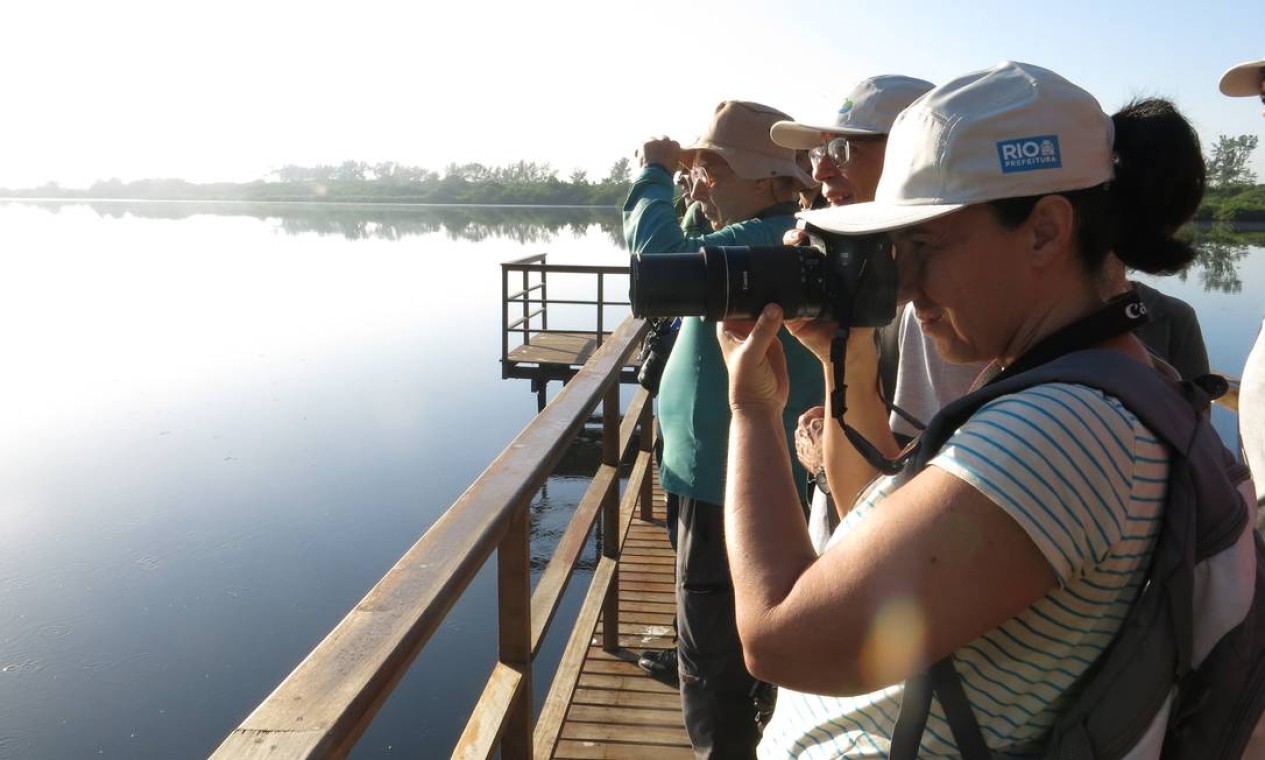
x=521 y=183
x=1233 y=204
x=523 y=224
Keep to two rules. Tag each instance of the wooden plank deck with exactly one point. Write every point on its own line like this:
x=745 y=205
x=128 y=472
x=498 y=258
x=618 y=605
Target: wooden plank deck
x=546 y=357
x=618 y=711
x=567 y=348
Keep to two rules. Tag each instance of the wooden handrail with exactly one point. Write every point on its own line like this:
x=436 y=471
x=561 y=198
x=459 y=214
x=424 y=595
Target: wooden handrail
x=553 y=301
x=567 y=268
x=324 y=705
x=553 y=581
x=533 y=258
x=524 y=320
x=520 y=294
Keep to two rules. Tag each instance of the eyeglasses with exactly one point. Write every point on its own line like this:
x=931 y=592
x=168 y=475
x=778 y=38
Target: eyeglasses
x=700 y=173
x=839 y=150
x=682 y=181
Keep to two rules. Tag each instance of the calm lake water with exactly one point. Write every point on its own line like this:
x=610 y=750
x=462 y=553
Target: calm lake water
x=222 y=423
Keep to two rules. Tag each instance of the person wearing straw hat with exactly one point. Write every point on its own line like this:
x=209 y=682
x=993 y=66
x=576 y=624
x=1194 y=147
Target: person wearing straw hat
x=1003 y=190
x=1247 y=80
x=748 y=187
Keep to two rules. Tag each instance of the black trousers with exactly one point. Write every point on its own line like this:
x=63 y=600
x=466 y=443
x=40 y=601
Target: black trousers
x=716 y=689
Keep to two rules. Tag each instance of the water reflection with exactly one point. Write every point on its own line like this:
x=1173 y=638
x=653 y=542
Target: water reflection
x=362 y=221
x=1221 y=247
x=551 y=510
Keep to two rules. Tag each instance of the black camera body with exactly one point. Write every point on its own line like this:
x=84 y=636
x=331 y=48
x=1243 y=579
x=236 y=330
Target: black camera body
x=655 y=351
x=848 y=279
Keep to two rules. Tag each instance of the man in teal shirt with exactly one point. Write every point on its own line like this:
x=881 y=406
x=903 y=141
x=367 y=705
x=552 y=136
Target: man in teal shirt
x=747 y=186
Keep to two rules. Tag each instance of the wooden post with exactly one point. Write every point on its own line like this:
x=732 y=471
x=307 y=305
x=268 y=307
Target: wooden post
x=513 y=575
x=610 y=517
x=601 y=305
x=648 y=435
x=526 y=309
x=505 y=321
x=544 y=297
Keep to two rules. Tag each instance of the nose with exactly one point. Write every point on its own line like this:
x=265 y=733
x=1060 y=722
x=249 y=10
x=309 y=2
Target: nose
x=697 y=191
x=825 y=169
x=909 y=272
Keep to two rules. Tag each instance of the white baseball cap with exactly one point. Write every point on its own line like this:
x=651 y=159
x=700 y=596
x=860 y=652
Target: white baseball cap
x=1243 y=80
x=869 y=109
x=1011 y=131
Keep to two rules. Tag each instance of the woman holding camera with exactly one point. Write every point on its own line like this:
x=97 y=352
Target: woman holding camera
x=1020 y=548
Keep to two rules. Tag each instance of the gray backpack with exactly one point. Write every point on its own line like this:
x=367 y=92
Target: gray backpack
x=1185 y=676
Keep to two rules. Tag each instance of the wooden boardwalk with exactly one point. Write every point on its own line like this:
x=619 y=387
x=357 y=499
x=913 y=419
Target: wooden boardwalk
x=616 y=709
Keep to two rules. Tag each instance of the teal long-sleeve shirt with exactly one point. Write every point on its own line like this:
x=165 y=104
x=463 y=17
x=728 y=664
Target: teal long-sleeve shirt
x=694 y=390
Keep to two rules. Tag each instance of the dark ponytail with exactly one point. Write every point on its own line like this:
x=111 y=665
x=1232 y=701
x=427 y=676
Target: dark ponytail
x=1158 y=185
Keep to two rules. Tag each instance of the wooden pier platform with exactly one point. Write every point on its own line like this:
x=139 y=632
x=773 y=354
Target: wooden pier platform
x=549 y=356
x=616 y=709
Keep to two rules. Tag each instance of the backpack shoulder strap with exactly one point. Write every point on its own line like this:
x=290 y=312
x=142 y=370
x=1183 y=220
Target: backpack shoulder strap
x=1168 y=408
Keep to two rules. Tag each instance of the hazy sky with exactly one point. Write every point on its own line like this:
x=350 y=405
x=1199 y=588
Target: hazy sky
x=229 y=90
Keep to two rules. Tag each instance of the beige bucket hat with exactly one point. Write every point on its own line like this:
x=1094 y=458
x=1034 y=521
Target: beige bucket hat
x=739 y=133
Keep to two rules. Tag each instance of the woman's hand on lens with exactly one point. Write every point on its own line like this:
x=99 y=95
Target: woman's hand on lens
x=815 y=336
x=756 y=362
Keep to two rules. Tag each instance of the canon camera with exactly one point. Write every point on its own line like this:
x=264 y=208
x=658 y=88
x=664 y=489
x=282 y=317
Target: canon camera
x=849 y=279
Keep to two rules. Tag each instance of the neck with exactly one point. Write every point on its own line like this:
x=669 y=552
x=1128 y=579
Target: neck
x=1057 y=313
x=1111 y=326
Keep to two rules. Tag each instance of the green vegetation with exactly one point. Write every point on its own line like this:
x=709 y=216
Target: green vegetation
x=522 y=183
x=1234 y=204
x=1233 y=195
x=1228 y=164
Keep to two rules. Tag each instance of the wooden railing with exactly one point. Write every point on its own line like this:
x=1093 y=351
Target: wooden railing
x=525 y=310
x=323 y=707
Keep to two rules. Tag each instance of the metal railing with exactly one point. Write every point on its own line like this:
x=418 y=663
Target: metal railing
x=525 y=311
x=323 y=707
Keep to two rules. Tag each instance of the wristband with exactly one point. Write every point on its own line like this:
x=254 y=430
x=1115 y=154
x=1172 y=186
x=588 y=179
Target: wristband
x=819 y=480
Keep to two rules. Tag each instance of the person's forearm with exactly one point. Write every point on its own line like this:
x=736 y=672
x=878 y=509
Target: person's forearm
x=650 y=221
x=765 y=535
x=847 y=471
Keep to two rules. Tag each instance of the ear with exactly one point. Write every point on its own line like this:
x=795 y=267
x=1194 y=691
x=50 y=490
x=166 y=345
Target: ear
x=1051 y=230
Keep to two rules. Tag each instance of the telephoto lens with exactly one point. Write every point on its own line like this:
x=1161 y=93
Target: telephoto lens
x=848 y=279
x=720 y=282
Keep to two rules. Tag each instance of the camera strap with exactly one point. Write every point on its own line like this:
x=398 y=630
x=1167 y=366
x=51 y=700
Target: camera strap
x=1121 y=314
